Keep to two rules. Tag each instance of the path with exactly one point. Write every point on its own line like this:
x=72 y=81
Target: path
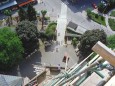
x=61 y=24
x=107 y=17
x=107 y=29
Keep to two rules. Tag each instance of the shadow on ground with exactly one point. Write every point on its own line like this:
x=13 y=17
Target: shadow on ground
x=25 y=68
x=80 y=5
x=50 y=48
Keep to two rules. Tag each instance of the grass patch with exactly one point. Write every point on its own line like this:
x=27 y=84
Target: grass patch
x=50 y=31
x=1 y=22
x=111 y=41
x=112 y=13
x=112 y=23
x=98 y=18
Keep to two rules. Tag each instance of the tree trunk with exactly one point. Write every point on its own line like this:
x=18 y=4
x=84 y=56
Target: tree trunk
x=42 y=22
x=8 y=21
x=11 y=20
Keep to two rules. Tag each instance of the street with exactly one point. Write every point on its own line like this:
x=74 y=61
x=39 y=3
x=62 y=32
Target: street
x=75 y=13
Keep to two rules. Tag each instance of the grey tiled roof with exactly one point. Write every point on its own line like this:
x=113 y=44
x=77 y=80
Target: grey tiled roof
x=7 y=80
x=72 y=25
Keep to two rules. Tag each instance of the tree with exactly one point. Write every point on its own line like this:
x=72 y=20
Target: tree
x=89 y=39
x=111 y=41
x=101 y=7
x=29 y=35
x=88 y=13
x=11 y=49
x=111 y=2
x=9 y=14
x=74 y=41
x=31 y=13
x=43 y=16
x=22 y=14
x=50 y=31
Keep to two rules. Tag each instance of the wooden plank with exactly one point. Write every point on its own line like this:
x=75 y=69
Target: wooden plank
x=104 y=52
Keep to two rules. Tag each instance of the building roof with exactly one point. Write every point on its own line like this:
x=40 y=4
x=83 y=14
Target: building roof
x=21 y=1
x=9 y=4
x=7 y=80
x=4 y=1
x=76 y=28
x=72 y=25
x=111 y=82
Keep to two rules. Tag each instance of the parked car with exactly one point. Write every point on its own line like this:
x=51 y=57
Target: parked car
x=104 y=3
x=94 y=5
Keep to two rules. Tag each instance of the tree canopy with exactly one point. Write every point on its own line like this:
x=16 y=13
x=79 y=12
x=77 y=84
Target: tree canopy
x=88 y=12
x=31 y=13
x=50 y=31
x=22 y=14
x=111 y=41
x=74 y=41
x=11 y=49
x=29 y=35
x=89 y=39
x=9 y=14
x=43 y=12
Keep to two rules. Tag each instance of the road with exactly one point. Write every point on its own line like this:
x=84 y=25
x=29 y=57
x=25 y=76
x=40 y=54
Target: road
x=75 y=13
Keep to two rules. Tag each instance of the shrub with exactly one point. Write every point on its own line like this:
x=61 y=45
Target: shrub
x=50 y=31
x=74 y=41
x=102 y=18
x=88 y=13
x=96 y=16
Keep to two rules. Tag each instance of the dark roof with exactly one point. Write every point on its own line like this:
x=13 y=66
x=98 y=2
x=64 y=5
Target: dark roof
x=3 y=1
x=7 y=80
x=72 y=35
x=21 y=1
x=72 y=25
x=8 y=4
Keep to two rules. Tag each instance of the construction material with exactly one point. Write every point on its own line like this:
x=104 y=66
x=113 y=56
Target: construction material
x=104 y=52
x=83 y=71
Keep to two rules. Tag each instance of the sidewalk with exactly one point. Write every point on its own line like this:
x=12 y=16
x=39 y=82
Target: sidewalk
x=61 y=24
x=107 y=16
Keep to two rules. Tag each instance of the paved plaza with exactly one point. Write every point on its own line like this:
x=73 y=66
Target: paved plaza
x=53 y=57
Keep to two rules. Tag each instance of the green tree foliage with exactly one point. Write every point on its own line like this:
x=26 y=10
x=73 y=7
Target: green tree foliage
x=89 y=39
x=10 y=48
x=88 y=13
x=111 y=41
x=29 y=35
x=43 y=16
x=9 y=14
x=106 y=8
x=101 y=7
x=74 y=41
x=50 y=31
x=31 y=13
x=111 y=2
x=22 y=14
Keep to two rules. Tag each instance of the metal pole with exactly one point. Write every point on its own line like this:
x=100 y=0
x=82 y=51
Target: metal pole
x=66 y=63
x=83 y=71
